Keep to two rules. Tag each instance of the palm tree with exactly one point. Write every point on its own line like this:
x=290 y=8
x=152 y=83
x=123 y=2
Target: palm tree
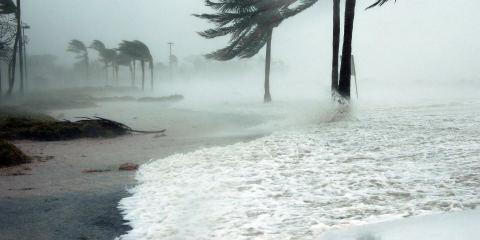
x=137 y=50
x=107 y=56
x=79 y=48
x=7 y=36
x=250 y=24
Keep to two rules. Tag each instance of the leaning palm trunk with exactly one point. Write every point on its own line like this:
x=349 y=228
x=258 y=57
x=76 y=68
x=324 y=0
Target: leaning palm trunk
x=267 y=97
x=345 y=70
x=143 y=74
x=151 y=72
x=131 y=74
x=106 y=73
x=336 y=44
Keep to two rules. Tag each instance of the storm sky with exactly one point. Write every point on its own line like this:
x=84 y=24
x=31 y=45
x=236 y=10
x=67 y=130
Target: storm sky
x=407 y=41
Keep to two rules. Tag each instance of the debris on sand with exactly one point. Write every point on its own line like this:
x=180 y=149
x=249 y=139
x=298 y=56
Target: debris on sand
x=128 y=167
x=95 y=170
x=11 y=155
x=53 y=130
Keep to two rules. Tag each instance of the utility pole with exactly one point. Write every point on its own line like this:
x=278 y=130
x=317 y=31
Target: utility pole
x=20 y=43
x=25 y=26
x=170 y=60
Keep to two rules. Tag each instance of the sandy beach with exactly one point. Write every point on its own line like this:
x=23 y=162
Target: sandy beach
x=53 y=197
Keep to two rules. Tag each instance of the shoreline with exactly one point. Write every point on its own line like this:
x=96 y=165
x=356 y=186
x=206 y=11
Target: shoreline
x=57 y=200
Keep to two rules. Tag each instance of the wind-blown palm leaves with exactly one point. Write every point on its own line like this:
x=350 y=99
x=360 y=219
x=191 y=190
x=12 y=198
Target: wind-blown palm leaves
x=78 y=47
x=379 y=3
x=7 y=7
x=137 y=50
x=250 y=24
x=107 y=56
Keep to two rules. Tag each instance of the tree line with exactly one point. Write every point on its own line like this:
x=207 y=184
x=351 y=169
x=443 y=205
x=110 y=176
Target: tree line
x=250 y=25
x=126 y=54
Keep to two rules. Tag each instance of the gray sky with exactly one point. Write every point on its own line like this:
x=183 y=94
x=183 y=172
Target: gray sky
x=409 y=40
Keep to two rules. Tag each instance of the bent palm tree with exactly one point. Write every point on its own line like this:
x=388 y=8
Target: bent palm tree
x=250 y=24
x=107 y=56
x=78 y=47
x=137 y=50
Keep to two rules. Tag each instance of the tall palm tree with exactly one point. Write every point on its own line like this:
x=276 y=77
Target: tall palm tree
x=138 y=51
x=79 y=48
x=107 y=56
x=7 y=36
x=250 y=24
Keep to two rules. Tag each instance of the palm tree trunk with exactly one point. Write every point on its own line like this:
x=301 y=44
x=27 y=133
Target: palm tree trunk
x=143 y=74
x=114 y=78
x=336 y=44
x=106 y=73
x=20 y=47
x=86 y=66
x=151 y=72
x=267 y=97
x=134 y=71
x=131 y=74
x=345 y=70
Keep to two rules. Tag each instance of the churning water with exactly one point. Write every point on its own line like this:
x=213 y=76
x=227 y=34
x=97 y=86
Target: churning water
x=356 y=167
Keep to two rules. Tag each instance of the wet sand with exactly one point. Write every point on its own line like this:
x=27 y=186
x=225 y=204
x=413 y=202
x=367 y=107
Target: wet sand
x=57 y=200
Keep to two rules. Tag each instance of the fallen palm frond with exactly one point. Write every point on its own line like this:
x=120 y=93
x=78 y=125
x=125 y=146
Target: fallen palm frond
x=53 y=130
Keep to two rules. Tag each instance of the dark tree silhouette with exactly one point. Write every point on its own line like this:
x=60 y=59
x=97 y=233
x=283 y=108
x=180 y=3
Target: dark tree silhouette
x=345 y=69
x=79 y=48
x=107 y=56
x=137 y=50
x=379 y=3
x=335 y=45
x=250 y=24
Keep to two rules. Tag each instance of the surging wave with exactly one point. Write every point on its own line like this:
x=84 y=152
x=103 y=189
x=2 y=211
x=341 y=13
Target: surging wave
x=296 y=184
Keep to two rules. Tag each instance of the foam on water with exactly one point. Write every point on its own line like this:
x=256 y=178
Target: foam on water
x=355 y=168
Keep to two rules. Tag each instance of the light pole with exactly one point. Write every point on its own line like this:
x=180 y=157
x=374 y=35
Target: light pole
x=170 y=60
x=25 y=26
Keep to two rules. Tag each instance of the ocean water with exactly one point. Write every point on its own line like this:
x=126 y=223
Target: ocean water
x=352 y=166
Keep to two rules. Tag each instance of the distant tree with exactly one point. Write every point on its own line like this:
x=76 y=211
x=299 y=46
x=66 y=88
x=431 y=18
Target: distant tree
x=107 y=56
x=137 y=50
x=81 y=50
x=250 y=24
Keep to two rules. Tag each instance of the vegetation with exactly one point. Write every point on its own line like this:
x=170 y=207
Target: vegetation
x=138 y=51
x=11 y=155
x=250 y=24
x=79 y=48
x=51 y=130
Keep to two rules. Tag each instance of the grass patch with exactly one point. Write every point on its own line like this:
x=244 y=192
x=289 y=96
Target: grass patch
x=11 y=155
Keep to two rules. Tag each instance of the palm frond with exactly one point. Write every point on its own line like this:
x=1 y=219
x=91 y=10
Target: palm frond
x=7 y=7
x=379 y=3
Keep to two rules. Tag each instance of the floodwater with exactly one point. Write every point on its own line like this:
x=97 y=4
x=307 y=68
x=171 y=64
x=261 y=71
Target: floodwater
x=352 y=166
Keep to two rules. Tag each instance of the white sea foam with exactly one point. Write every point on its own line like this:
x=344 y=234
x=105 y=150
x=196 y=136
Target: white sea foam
x=354 y=168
